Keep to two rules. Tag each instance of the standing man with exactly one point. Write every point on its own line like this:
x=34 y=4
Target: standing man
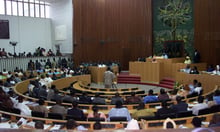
x=108 y=78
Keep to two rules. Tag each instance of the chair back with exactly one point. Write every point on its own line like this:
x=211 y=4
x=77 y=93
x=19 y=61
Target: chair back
x=95 y=119
x=118 y=118
x=37 y=114
x=55 y=116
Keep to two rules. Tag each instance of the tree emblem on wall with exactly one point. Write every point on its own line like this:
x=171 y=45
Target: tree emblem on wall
x=175 y=13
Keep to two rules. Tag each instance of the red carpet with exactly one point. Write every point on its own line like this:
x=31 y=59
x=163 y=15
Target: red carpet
x=125 y=78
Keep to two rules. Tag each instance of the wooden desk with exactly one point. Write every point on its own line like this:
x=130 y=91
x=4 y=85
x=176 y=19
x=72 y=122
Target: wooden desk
x=154 y=72
x=97 y=73
x=169 y=60
x=149 y=72
x=208 y=81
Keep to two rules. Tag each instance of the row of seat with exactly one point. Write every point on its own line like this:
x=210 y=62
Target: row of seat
x=145 y=124
x=21 y=85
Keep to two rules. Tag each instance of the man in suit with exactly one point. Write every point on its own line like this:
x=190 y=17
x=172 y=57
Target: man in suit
x=180 y=106
x=165 y=111
x=58 y=108
x=76 y=112
x=196 y=58
x=108 y=78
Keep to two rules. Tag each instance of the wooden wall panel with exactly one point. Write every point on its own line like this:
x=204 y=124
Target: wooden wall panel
x=207 y=30
x=112 y=30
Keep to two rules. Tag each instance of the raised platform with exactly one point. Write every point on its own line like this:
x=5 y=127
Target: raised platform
x=125 y=78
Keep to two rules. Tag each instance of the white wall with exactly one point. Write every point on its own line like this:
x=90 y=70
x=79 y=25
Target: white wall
x=61 y=15
x=29 y=32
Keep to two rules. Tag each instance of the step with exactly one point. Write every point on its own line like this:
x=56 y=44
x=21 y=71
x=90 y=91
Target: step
x=167 y=83
x=129 y=82
x=128 y=76
x=168 y=79
x=166 y=86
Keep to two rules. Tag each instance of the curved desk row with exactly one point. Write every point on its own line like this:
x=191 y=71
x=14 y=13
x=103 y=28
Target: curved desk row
x=21 y=88
x=152 y=124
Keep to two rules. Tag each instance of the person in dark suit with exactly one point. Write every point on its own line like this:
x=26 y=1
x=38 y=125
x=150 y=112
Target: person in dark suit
x=196 y=58
x=42 y=93
x=180 y=106
x=84 y=98
x=98 y=100
x=58 y=108
x=165 y=111
x=133 y=99
x=76 y=112
x=116 y=98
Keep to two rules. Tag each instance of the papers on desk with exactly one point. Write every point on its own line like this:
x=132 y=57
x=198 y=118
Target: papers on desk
x=84 y=111
x=205 y=123
x=191 y=105
x=195 y=102
x=55 y=127
x=30 y=103
x=182 y=126
x=189 y=109
x=48 y=107
x=158 y=107
x=23 y=121
x=5 y=125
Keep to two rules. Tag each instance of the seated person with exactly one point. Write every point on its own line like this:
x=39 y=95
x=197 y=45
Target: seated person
x=119 y=111
x=70 y=98
x=150 y=97
x=41 y=107
x=39 y=125
x=75 y=111
x=133 y=99
x=187 y=69
x=97 y=126
x=199 y=106
x=163 y=95
x=141 y=111
x=180 y=106
x=96 y=113
x=169 y=123
x=197 y=122
x=25 y=110
x=116 y=98
x=187 y=60
x=210 y=68
x=58 y=108
x=217 y=70
x=84 y=98
x=73 y=125
x=216 y=97
x=98 y=100
x=198 y=89
x=193 y=86
x=215 y=121
x=194 y=70
x=210 y=102
x=165 y=110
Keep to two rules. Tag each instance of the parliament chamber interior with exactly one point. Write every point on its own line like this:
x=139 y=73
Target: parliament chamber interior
x=90 y=65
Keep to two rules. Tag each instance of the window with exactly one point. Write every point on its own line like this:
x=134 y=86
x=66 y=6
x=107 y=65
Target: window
x=20 y=9
x=29 y=8
x=8 y=8
x=42 y=13
x=2 y=7
x=14 y=8
x=26 y=9
x=32 y=12
x=37 y=10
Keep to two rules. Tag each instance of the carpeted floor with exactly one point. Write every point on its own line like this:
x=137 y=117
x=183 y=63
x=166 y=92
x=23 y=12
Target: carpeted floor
x=143 y=87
